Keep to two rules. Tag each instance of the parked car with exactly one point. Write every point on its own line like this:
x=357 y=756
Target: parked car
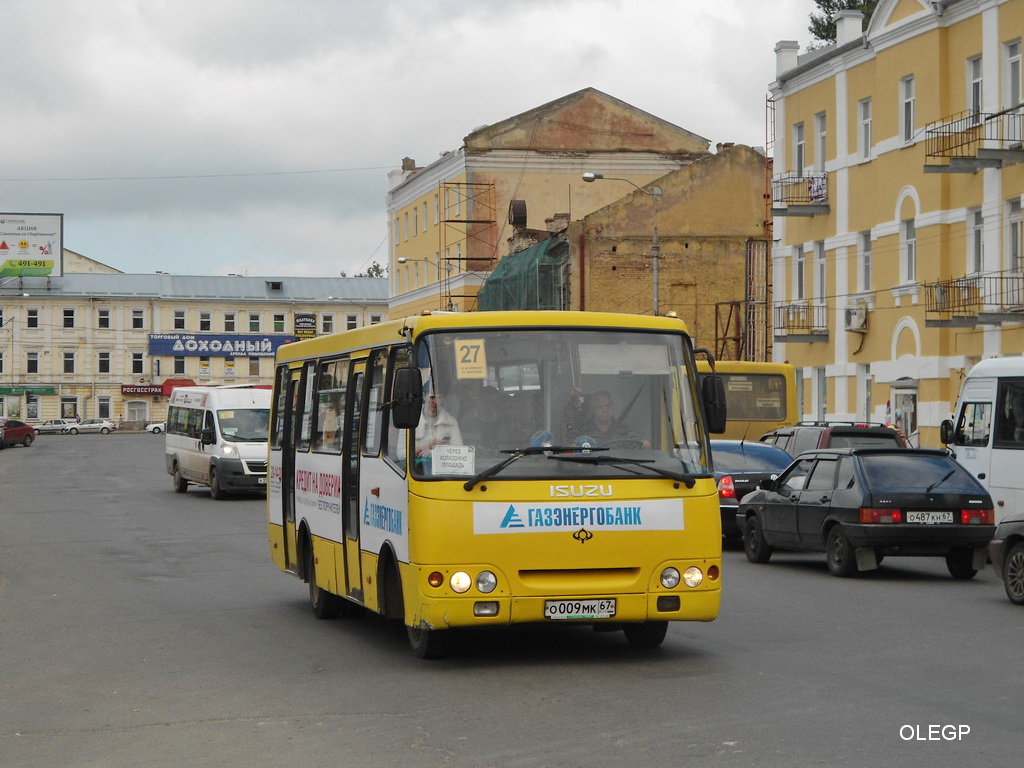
x=17 y=433
x=808 y=435
x=858 y=505
x=739 y=466
x=103 y=426
x=157 y=428
x=1006 y=551
x=53 y=426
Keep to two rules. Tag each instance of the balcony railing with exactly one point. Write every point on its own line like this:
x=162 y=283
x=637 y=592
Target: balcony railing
x=796 y=190
x=974 y=295
x=800 y=318
x=969 y=140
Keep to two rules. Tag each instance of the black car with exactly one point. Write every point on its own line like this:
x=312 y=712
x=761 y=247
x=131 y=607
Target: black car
x=860 y=504
x=1006 y=551
x=809 y=435
x=739 y=466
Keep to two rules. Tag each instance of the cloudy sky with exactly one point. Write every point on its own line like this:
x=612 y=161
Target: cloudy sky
x=255 y=136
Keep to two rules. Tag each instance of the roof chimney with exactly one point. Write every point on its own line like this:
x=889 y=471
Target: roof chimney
x=849 y=26
x=785 y=55
x=408 y=164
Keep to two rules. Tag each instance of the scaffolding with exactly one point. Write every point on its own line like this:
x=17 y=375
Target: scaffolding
x=469 y=224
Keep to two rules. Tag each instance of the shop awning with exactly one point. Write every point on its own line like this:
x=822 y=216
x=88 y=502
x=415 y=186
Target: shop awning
x=170 y=384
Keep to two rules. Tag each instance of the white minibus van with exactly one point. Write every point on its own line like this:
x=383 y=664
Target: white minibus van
x=217 y=436
x=986 y=433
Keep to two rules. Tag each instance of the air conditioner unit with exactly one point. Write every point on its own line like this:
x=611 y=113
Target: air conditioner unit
x=857 y=319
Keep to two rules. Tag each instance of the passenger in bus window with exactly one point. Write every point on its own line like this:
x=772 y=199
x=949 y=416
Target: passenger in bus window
x=1016 y=398
x=436 y=426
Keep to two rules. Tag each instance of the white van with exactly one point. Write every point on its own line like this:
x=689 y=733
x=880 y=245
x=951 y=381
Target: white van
x=986 y=433
x=217 y=436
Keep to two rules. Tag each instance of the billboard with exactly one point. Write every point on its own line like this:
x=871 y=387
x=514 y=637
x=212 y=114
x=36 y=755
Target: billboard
x=31 y=244
x=215 y=345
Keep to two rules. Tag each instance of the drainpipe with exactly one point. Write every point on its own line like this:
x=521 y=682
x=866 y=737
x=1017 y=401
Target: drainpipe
x=582 y=270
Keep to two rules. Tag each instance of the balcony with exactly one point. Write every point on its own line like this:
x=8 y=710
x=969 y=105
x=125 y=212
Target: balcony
x=969 y=141
x=975 y=300
x=798 y=194
x=801 y=322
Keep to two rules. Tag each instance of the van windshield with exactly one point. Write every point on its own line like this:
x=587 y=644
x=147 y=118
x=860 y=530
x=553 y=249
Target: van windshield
x=244 y=425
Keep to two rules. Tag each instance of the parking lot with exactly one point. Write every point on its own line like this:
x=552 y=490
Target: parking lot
x=144 y=627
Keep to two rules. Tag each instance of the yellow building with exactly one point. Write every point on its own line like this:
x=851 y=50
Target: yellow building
x=100 y=343
x=897 y=190
x=450 y=221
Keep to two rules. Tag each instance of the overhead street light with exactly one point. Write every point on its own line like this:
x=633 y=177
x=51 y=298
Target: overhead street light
x=655 y=194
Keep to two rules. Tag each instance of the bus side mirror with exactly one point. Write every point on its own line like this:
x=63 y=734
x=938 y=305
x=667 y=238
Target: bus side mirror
x=946 y=432
x=407 y=398
x=712 y=390
x=206 y=437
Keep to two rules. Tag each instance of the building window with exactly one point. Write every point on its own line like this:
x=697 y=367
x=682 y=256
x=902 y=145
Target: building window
x=976 y=241
x=229 y=322
x=907 y=113
x=1013 y=75
x=865 y=261
x=1 y=317
x=254 y=366
x=1015 y=237
x=69 y=362
x=254 y=322
x=801 y=264
x=204 y=367
x=137 y=362
x=820 y=141
x=179 y=319
x=424 y=217
x=1 y=371
x=327 y=322
x=31 y=318
x=799 y=149
x=104 y=362
x=864 y=135
x=415 y=221
x=103 y=318
x=974 y=92
x=205 y=321
x=351 y=322
x=69 y=318
x=910 y=250
x=405 y=225
x=103 y=409
x=179 y=365
x=279 y=322
x=31 y=362
x=375 y=319
x=819 y=270
x=437 y=208
x=138 y=320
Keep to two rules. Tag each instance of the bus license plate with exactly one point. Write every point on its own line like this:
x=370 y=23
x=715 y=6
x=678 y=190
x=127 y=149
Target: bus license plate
x=580 y=609
x=929 y=517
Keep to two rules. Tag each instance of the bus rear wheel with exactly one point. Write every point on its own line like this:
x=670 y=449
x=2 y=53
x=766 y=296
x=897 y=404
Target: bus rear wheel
x=179 y=482
x=325 y=605
x=650 y=634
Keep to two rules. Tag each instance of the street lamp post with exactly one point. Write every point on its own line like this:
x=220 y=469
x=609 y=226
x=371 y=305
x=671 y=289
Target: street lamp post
x=655 y=194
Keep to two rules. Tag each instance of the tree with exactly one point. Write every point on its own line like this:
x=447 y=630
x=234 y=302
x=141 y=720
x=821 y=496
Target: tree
x=375 y=270
x=823 y=25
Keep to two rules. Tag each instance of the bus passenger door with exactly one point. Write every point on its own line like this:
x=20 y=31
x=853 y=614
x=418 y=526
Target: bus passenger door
x=350 y=452
x=289 y=430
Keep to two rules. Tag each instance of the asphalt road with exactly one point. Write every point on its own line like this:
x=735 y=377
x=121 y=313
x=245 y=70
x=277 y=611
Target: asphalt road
x=139 y=627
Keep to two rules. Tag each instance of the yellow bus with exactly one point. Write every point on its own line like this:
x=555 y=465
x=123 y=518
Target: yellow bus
x=760 y=397
x=456 y=470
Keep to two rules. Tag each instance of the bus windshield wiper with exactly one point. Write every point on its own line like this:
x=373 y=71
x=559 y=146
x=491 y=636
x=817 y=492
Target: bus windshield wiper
x=518 y=453
x=687 y=480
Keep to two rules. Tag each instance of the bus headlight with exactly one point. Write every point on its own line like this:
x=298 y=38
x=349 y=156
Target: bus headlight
x=227 y=450
x=486 y=582
x=693 y=576
x=460 y=582
x=670 y=578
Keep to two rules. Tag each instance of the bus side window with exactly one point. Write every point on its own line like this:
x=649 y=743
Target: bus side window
x=1010 y=414
x=975 y=424
x=374 y=412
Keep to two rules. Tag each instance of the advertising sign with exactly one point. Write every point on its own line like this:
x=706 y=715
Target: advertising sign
x=216 y=344
x=305 y=325
x=31 y=244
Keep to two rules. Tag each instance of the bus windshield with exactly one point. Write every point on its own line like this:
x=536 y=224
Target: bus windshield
x=244 y=425
x=607 y=403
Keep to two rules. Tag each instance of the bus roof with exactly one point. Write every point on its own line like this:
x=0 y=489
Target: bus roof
x=394 y=330
x=998 y=366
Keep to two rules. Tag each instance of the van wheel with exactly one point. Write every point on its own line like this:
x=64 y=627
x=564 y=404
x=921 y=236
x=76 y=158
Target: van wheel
x=216 y=491
x=180 y=483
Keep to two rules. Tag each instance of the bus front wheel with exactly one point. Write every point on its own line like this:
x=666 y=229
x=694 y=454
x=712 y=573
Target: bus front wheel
x=429 y=643
x=650 y=634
